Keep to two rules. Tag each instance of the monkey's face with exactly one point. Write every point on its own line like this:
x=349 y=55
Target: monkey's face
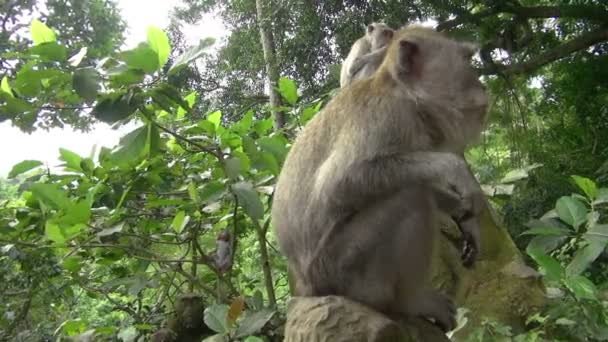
x=379 y=35
x=440 y=68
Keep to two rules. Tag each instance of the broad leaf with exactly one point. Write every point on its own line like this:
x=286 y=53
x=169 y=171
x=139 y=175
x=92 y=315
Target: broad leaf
x=288 y=90
x=545 y=227
x=550 y=267
x=587 y=185
x=249 y=199
x=584 y=257
x=190 y=55
x=51 y=195
x=571 y=211
x=582 y=287
x=159 y=42
x=142 y=57
x=112 y=109
x=276 y=145
x=86 y=83
x=232 y=166
x=53 y=232
x=41 y=33
x=23 y=166
x=72 y=263
x=215 y=118
x=132 y=147
x=5 y=87
x=514 y=175
x=190 y=100
x=180 y=221
x=71 y=159
x=253 y=322
x=50 y=51
x=215 y=318
x=597 y=233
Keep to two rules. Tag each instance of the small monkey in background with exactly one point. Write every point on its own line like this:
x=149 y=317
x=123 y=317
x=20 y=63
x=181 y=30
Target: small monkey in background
x=356 y=203
x=223 y=254
x=366 y=54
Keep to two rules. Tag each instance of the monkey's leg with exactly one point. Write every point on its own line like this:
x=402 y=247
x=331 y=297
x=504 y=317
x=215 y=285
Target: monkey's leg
x=382 y=257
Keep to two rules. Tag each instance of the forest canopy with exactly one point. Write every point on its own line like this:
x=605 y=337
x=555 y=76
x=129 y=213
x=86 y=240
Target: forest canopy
x=173 y=224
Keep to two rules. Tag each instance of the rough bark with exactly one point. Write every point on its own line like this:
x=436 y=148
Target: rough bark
x=272 y=71
x=337 y=319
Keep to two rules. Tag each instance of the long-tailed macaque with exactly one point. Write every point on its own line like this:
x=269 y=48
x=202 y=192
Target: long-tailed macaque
x=356 y=202
x=366 y=54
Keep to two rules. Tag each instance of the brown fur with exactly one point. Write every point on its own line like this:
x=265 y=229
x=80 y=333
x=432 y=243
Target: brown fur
x=356 y=201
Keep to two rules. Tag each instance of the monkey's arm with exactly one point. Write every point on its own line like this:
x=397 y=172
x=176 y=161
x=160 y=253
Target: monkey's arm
x=372 y=58
x=456 y=190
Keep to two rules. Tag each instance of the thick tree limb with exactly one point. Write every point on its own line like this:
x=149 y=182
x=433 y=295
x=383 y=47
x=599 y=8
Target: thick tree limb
x=590 y=12
x=579 y=43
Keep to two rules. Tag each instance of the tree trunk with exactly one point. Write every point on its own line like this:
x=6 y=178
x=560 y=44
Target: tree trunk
x=272 y=71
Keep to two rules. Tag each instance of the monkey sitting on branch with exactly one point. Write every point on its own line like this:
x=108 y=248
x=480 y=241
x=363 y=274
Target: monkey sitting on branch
x=356 y=204
x=366 y=54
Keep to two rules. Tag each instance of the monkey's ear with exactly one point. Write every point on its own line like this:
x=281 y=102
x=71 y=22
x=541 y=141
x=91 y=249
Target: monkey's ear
x=407 y=52
x=469 y=49
x=370 y=28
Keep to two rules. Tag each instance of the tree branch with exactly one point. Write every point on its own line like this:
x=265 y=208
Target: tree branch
x=579 y=43
x=590 y=12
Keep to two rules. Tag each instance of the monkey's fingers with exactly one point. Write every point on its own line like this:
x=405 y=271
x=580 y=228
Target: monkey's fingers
x=469 y=254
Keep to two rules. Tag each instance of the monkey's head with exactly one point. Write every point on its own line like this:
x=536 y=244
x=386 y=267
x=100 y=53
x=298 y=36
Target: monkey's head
x=189 y=310
x=378 y=35
x=432 y=66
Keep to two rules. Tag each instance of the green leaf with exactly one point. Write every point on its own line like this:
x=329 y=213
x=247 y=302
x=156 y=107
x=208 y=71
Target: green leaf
x=180 y=221
x=132 y=147
x=602 y=196
x=249 y=199
x=515 y=175
x=193 y=193
x=51 y=195
x=545 y=227
x=53 y=232
x=72 y=263
x=587 y=185
x=547 y=243
x=191 y=100
x=142 y=57
x=571 y=211
x=215 y=118
x=190 y=55
x=86 y=83
x=232 y=167
x=23 y=166
x=585 y=257
x=41 y=33
x=582 y=287
x=79 y=213
x=71 y=159
x=288 y=90
x=112 y=109
x=50 y=52
x=159 y=42
x=276 y=145
x=253 y=339
x=77 y=58
x=215 y=318
x=253 y=322
x=212 y=191
x=597 y=233
x=6 y=87
x=550 y=267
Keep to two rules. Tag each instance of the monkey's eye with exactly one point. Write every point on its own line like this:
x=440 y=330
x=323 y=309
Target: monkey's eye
x=370 y=28
x=387 y=33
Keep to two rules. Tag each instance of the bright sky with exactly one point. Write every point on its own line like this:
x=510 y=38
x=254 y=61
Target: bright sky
x=44 y=146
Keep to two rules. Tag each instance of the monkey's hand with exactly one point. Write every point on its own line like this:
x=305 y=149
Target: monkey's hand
x=469 y=227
